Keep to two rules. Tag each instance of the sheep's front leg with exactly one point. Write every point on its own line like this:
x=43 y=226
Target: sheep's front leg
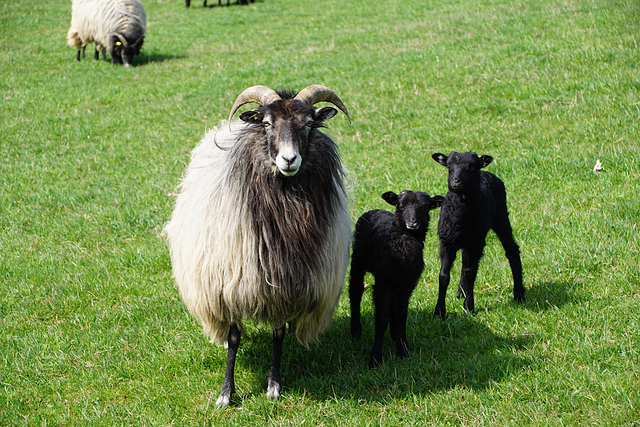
x=447 y=256
x=228 y=384
x=470 y=262
x=381 y=303
x=273 y=382
x=399 y=324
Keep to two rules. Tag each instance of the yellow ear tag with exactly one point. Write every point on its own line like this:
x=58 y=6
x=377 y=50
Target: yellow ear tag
x=118 y=43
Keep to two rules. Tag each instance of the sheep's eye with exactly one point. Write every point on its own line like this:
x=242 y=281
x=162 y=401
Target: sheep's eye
x=266 y=124
x=309 y=124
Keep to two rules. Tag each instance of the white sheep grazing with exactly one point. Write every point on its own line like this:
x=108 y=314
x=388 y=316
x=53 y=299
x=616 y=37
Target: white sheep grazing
x=261 y=228
x=117 y=26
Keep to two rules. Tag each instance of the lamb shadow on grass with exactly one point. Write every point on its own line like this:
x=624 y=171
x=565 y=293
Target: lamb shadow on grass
x=457 y=352
x=550 y=295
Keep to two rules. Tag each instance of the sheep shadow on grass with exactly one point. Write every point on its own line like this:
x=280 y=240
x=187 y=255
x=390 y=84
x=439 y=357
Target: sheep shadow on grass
x=460 y=351
x=457 y=352
x=215 y=4
x=146 y=58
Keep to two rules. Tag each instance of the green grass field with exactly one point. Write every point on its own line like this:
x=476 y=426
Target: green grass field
x=92 y=328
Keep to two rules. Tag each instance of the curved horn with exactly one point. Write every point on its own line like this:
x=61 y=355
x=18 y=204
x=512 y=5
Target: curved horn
x=259 y=94
x=317 y=93
x=121 y=37
x=138 y=41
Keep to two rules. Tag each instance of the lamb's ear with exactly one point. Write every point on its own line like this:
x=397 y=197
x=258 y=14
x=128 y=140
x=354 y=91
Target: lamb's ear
x=440 y=158
x=436 y=201
x=252 y=116
x=325 y=113
x=486 y=160
x=390 y=197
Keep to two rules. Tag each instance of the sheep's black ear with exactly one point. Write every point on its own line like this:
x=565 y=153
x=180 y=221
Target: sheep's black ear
x=252 y=116
x=436 y=201
x=390 y=197
x=486 y=160
x=325 y=113
x=440 y=158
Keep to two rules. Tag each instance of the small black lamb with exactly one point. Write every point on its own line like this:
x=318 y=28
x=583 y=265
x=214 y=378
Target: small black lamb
x=390 y=247
x=476 y=202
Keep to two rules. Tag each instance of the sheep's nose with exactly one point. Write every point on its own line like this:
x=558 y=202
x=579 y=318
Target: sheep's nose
x=412 y=224
x=289 y=160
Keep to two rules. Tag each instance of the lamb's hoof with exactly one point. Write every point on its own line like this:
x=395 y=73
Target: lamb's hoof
x=356 y=331
x=470 y=313
x=223 y=401
x=402 y=350
x=439 y=313
x=375 y=361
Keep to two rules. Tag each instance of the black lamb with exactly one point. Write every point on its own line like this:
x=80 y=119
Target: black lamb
x=476 y=202
x=390 y=247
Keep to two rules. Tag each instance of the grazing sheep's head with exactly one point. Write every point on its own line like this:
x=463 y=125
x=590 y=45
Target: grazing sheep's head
x=288 y=121
x=122 y=51
x=412 y=208
x=464 y=170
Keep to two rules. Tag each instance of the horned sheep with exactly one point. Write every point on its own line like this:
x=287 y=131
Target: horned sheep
x=261 y=228
x=115 y=26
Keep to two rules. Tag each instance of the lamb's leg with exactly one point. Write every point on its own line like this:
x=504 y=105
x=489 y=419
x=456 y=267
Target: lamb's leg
x=228 y=384
x=470 y=262
x=393 y=319
x=381 y=303
x=512 y=251
x=78 y=56
x=273 y=382
x=447 y=256
x=356 y=288
x=400 y=323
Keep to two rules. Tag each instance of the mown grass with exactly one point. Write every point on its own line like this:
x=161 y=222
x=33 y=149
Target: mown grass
x=92 y=328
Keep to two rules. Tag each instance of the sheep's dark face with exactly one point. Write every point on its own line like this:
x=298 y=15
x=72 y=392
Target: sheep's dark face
x=123 y=50
x=412 y=208
x=464 y=170
x=288 y=125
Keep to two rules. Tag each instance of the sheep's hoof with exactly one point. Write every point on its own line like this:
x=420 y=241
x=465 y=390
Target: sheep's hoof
x=273 y=390
x=223 y=401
